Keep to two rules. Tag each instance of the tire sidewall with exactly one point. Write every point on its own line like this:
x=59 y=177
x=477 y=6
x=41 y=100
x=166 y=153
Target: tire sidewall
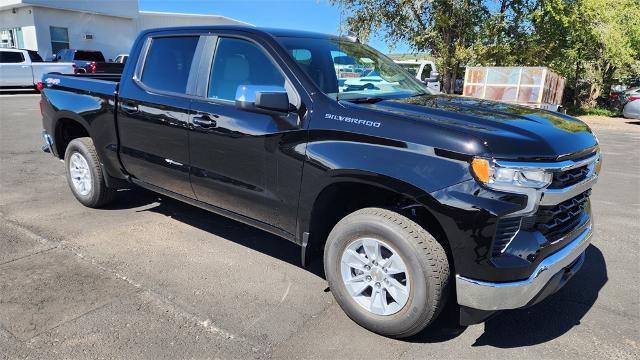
x=419 y=302
x=77 y=146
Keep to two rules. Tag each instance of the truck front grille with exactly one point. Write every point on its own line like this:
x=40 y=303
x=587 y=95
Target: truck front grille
x=570 y=177
x=554 y=222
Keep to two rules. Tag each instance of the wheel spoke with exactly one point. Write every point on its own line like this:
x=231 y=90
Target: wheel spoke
x=378 y=303
x=372 y=249
x=397 y=291
x=394 y=265
x=356 y=288
x=354 y=260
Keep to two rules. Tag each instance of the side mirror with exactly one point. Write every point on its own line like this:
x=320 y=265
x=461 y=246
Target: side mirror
x=265 y=99
x=434 y=76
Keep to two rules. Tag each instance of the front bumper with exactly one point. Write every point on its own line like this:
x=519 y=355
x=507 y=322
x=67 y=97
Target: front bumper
x=492 y=296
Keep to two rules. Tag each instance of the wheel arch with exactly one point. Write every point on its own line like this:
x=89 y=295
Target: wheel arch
x=68 y=126
x=346 y=191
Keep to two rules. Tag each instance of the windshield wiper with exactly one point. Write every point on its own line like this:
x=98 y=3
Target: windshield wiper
x=366 y=100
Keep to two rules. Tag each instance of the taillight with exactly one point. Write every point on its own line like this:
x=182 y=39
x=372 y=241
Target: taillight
x=635 y=97
x=93 y=68
x=39 y=86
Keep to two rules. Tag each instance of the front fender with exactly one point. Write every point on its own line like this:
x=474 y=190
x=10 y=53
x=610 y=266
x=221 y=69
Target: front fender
x=412 y=170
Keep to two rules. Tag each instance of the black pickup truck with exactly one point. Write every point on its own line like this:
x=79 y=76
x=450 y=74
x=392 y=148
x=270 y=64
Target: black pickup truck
x=411 y=199
x=88 y=61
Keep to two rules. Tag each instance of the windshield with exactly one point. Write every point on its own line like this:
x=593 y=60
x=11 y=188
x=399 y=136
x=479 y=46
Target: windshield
x=346 y=70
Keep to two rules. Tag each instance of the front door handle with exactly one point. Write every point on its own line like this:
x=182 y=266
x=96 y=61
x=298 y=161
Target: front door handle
x=203 y=121
x=129 y=108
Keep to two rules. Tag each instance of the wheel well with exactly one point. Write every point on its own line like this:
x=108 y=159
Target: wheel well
x=67 y=130
x=339 y=200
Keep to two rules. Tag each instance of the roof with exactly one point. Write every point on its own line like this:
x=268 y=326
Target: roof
x=413 y=61
x=251 y=29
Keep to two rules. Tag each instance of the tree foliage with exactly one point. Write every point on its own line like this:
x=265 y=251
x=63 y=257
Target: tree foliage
x=590 y=42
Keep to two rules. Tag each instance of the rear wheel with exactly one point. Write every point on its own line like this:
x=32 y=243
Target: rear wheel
x=387 y=272
x=84 y=174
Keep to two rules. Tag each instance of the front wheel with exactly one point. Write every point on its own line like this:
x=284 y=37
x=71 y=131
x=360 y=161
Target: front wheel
x=84 y=174
x=386 y=272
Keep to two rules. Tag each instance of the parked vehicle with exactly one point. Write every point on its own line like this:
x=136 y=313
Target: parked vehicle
x=411 y=199
x=122 y=58
x=423 y=70
x=632 y=108
x=22 y=69
x=89 y=61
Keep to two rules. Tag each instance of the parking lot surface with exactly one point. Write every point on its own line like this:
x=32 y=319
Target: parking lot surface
x=152 y=278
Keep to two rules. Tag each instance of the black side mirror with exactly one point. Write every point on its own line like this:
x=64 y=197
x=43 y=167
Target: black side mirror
x=264 y=99
x=268 y=100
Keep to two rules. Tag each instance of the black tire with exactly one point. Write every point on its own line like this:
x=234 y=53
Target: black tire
x=425 y=260
x=99 y=194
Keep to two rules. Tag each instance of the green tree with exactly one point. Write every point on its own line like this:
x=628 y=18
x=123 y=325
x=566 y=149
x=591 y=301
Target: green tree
x=505 y=36
x=588 y=41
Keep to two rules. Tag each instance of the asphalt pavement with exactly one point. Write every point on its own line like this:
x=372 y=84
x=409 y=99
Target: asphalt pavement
x=152 y=278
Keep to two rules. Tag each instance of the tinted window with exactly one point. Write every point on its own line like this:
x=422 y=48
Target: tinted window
x=88 y=56
x=34 y=56
x=11 y=57
x=168 y=62
x=239 y=62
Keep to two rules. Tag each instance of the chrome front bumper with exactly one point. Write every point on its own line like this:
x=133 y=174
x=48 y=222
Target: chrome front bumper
x=493 y=296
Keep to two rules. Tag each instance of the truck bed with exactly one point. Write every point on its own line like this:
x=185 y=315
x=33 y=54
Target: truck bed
x=89 y=99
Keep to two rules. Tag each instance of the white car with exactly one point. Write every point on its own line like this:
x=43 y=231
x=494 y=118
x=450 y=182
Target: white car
x=23 y=69
x=423 y=70
x=632 y=109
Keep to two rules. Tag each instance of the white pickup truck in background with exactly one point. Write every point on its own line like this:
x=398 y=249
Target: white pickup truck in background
x=423 y=70
x=23 y=69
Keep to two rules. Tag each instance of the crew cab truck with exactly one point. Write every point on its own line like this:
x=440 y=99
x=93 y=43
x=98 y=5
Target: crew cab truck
x=411 y=199
x=21 y=69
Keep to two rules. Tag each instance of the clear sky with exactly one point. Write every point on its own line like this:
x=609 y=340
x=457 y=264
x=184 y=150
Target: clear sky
x=310 y=15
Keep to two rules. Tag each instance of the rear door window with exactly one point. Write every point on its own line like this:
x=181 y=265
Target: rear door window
x=168 y=63
x=11 y=57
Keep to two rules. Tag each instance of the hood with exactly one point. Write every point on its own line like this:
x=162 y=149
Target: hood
x=507 y=131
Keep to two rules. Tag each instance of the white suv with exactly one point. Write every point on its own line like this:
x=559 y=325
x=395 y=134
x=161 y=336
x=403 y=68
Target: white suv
x=423 y=70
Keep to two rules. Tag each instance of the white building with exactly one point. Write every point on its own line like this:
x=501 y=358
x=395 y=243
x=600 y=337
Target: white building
x=110 y=26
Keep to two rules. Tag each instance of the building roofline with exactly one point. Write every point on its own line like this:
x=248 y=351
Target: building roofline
x=163 y=13
x=38 y=5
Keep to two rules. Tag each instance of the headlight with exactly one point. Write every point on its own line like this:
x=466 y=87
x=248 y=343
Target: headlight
x=488 y=173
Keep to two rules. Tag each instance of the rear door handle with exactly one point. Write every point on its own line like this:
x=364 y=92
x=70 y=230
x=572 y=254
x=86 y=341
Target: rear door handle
x=129 y=107
x=204 y=121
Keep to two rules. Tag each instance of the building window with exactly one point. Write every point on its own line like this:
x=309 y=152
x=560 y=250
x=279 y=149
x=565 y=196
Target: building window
x=11 y=38
x=59 y=38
